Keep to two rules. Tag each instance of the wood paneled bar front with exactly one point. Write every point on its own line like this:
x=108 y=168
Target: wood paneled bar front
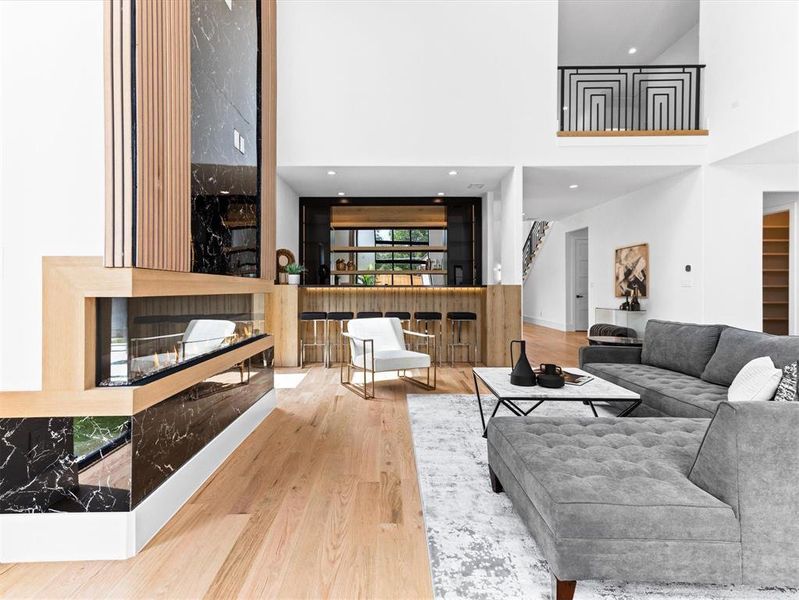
x=501 y=304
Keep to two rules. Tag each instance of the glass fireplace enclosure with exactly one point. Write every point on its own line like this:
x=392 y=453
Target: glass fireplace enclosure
x=142 y=339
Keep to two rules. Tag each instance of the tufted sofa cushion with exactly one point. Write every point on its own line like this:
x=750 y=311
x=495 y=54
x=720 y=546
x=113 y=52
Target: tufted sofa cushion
x=622 y=479
x=682 y=347
x=663 y=391
x=737 y=347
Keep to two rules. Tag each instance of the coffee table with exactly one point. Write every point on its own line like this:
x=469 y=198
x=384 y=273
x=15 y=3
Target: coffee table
x=497 y=380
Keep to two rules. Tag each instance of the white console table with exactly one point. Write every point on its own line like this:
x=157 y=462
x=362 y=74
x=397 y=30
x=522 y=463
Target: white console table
x=634 y=319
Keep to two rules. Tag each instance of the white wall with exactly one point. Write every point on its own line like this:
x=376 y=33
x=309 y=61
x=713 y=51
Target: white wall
x=51 y=162
x=287 y=213
x=667 y=215
x=752 y=56
x=685 y=51
x=414 y=83
x=733 y=236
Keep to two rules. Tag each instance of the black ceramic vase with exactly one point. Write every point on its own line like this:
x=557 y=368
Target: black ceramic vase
x=522 y=373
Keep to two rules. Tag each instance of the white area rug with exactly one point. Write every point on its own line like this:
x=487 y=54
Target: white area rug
x=479 y=548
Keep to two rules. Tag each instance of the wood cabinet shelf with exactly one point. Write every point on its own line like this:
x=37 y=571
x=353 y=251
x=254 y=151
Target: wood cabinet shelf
x=776 y=272
x=374 y=272
x=388 y=249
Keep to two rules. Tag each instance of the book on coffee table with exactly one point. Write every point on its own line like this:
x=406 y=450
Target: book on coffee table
x=571 y=378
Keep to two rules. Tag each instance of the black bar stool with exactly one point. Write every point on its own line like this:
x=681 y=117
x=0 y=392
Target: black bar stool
x=367 y=314
x=315 y=318
x=425 y=322
x=335 y=341
x=404 y=317
x=456 y=321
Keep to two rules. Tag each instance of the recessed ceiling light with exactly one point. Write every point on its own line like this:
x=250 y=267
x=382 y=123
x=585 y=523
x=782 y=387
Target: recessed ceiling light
x=573 y=186
x=440 y=193
x=632 y=50
x=453 y=172
x=341 y=193
x=331 y=172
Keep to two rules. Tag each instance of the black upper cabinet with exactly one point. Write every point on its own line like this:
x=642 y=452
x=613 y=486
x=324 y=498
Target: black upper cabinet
x=458 y=264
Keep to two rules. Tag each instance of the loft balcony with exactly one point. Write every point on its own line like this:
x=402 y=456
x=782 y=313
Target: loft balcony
x=617 y=101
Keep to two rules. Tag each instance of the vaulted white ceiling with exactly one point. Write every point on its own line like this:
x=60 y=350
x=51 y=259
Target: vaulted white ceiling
x=600 y=32
x=547 y=194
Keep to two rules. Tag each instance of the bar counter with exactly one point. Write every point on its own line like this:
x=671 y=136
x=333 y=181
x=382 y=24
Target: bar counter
x=502 y=303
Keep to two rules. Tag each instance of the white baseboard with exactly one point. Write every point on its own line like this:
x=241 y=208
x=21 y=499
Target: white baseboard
x=544 y=323
x=38 y=537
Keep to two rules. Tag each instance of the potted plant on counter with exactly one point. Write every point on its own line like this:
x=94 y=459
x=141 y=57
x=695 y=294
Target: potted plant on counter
x=294 y=271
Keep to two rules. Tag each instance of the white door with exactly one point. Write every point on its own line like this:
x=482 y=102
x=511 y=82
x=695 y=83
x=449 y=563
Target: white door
x=581 y=284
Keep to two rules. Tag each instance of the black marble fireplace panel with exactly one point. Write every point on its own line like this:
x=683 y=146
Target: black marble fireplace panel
x=187 y=421
x=108 y=464
x=225 y=137
x=37 y=467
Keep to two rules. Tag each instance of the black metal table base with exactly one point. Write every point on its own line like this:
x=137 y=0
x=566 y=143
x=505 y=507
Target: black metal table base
x=510 y=404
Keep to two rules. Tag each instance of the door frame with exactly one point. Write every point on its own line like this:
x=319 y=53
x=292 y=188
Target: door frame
x=570 y=273
x=792 y=208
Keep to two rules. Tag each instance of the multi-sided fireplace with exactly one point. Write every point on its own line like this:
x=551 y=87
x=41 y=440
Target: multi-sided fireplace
x=140 y=340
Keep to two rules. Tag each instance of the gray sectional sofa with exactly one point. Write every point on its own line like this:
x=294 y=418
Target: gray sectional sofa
x=684 y=370
x=706 y=493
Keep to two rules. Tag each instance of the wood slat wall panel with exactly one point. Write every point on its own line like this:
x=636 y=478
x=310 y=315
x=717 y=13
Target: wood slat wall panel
x=410 y=299
x=163 y=177
x=268 y=136
x=161 y=203
x=118 y=134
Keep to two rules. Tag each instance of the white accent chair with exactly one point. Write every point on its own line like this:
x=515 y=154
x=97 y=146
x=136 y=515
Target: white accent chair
x=378 y=345
x=205 y=335
x=200 y=337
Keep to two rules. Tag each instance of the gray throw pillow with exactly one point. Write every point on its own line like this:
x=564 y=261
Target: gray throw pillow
x=788 y=389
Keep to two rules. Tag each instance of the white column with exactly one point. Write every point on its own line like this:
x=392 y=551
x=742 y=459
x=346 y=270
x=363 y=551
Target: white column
x=511 y=227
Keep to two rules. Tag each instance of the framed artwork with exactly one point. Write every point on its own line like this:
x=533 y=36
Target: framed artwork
x=631 y=270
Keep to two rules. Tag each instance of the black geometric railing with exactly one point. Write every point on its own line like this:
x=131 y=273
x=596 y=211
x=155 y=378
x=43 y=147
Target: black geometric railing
x=663 y=97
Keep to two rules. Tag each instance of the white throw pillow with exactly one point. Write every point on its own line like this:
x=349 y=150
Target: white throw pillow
x=758 y=380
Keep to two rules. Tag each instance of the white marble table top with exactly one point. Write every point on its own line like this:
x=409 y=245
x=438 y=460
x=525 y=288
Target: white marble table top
x=498 y=381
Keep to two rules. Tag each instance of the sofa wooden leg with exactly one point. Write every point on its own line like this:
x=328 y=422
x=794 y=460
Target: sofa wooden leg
x=562 y=590
x=496 y=484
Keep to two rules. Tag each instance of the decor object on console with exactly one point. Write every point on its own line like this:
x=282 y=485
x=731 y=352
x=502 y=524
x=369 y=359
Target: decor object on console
x=635 y=304
x=294 y=271
x=683 y=369
x=378 y=345
x=283 y=258
x=788 y=389
x=631 y=268
x=757 y=381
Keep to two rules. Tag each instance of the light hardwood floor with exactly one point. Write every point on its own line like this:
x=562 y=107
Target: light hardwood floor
x=321 y=501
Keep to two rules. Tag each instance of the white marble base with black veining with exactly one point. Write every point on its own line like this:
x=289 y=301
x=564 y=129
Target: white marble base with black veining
x=479 y=547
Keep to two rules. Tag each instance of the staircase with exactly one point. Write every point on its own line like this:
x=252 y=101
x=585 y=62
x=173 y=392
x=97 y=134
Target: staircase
x=532 y=246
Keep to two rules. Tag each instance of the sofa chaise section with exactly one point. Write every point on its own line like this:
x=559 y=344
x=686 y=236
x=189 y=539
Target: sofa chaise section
x=657 y=499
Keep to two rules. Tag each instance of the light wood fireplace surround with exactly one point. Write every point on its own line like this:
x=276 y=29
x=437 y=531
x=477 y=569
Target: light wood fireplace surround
x=154 y=439
x=148 y=214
